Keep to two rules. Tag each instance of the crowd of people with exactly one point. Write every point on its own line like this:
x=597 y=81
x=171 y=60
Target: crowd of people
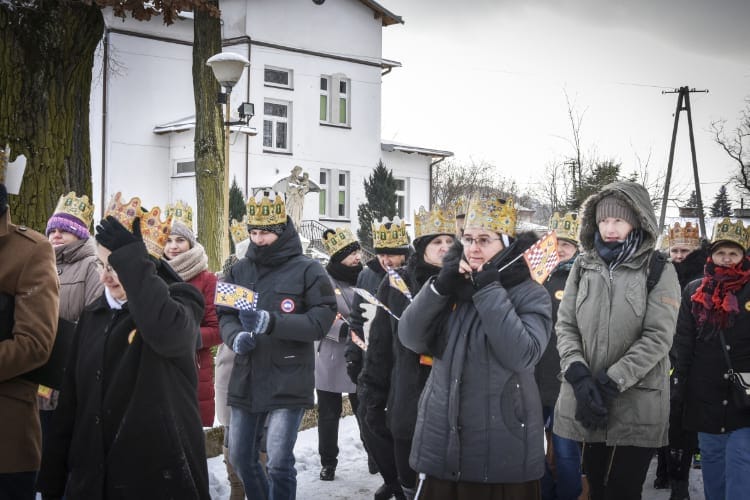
x=468 y=378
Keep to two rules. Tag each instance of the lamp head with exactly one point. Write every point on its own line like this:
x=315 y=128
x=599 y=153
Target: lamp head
x=227 y=67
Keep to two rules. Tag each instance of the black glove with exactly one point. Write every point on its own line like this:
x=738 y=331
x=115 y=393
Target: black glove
x=607 y=388
x=343 y=332
x=590 y=409
x=352 y=369
x=485 y=276
x=112 y=235
x=449 y=278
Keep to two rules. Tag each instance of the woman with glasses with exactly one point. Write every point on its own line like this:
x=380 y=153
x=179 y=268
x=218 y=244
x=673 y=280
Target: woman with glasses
x=479 y=430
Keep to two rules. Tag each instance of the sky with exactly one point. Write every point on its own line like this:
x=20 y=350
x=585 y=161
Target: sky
x=487 y=80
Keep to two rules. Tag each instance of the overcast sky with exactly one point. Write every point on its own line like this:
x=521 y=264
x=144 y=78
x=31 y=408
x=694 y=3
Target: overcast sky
x=487 y=79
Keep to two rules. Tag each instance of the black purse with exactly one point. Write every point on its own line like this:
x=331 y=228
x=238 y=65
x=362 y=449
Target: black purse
x=740 y=380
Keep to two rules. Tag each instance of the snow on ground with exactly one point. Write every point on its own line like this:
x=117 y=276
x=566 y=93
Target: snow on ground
x=353 y=482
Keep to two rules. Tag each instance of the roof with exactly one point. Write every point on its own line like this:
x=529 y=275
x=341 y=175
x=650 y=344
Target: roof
x=386 y=15
x=403 y=148
x=188 y=123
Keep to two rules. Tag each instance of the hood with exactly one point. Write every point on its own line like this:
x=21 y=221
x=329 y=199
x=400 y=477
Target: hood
x=284 y=248
x=636 y=196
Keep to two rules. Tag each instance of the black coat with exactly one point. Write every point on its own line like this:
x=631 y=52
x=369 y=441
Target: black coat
x=128 y=425
x=369 y=279
x=280 y=371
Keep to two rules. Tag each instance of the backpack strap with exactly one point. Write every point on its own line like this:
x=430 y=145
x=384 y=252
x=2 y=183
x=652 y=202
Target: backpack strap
x=656 y=264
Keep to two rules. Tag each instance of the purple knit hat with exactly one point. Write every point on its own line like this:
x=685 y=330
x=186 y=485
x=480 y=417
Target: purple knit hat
x=68 y=223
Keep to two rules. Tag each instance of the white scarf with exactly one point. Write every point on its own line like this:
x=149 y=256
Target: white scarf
x=191 y=263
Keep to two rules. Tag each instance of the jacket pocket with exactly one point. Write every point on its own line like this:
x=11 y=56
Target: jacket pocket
x=512 y=408
x=634 y=295
x=289 y=298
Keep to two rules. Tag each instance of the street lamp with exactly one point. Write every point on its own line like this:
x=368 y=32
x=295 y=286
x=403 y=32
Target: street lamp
x=227 y=68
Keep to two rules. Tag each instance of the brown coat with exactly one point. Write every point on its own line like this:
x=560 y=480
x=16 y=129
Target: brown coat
x=27 y=271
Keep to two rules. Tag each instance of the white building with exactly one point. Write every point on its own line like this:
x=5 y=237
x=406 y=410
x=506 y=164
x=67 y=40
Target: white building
x=314 y=79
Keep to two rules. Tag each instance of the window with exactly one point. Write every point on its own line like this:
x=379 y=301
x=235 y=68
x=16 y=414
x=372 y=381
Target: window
x=400 y=197
x=277 y=77
x=334 y=99
x=334 y=193
x=184 y=168
x=276 y=126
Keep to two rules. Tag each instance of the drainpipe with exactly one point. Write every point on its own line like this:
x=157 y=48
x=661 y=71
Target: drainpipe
x=432 y=164
x=105 y=78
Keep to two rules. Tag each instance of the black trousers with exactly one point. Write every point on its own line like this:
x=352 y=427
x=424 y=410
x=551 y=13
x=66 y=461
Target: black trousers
x=401 y=451
x=616 y=472
x=329 y=416
x=17 y=485
x=379 y=444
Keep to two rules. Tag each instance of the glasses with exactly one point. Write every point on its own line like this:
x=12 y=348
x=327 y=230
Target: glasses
x=482 y=241
x=102 y=267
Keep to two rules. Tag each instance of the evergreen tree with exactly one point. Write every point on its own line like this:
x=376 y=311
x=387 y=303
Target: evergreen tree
x=721 y=206
x=601 y=174
x=380 y=191
x=237 y=208
x=693 y=203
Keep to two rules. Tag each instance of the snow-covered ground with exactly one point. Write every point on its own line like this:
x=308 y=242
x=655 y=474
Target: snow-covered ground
x=354 y=482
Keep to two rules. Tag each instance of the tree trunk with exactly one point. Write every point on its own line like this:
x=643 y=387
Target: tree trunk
x=46 y=59
x=213 y=232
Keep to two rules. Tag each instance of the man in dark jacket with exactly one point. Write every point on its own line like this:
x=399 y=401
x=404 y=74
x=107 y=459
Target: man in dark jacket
x=272 y=381
x=28 y=320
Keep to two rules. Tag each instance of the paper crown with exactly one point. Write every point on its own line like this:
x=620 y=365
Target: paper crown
x=492 y=214
x=338 y=240
x=460 y=206
x=436 y=221
x=238 y=230
x=735 y=232
x=155 y=232
x=180 y=212
x=78 y=207
x=395 y=237
x=565 y=226
x=266 y=212
x=685 y=236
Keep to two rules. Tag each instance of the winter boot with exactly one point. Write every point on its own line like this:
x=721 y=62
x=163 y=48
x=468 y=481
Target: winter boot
x=387 y=491
x=679 y=489
x=237 y=490
x=327 y=473
x=409 y=493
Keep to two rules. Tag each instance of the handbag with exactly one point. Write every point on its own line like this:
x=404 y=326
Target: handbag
x=740 y=380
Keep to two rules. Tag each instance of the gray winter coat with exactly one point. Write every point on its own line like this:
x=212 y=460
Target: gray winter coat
x=330 y=363
x=480 y=417
x=608 y=322
x=79 y=279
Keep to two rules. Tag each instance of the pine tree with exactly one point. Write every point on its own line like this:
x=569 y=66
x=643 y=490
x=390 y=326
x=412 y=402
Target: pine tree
x=237 y=208
x=721 y=206
x=693 y=203
x=380 y=191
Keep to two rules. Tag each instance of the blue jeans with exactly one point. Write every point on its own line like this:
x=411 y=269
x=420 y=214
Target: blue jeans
x=725 y=464
x=566 y=483
x=245 y=436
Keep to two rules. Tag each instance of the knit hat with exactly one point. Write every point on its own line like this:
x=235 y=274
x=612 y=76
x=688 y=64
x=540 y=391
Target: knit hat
x=180 y=229
x=611 y=206
x=69 y=224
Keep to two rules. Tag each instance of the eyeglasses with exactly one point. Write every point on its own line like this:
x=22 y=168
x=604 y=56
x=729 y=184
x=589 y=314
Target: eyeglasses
x=102 y=267
x=482 y=241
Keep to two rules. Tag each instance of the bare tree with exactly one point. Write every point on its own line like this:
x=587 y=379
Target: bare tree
x=453 y=180
x=556 y=184
x=733 y=145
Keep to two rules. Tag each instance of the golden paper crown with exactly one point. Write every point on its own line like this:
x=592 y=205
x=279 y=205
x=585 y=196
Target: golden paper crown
x=180 y=211
x=266 y=212
x=460 y=206
x=726 y=230
x=238 y=230
x=395 y=237
x=80 y=208
x=154 y=231
x=565 y=226
x=492 y=214
x=436 y=221
x=337 y=241
x=687 y=236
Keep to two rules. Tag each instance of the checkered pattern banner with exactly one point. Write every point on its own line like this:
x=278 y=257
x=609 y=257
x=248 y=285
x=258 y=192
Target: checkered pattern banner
x=542 y=258
x=235 y=296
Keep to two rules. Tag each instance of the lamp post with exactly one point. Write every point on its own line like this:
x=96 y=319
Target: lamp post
x=227 y=68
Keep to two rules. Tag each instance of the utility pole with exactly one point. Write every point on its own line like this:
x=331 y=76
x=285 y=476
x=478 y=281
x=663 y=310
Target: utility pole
x=683 y=103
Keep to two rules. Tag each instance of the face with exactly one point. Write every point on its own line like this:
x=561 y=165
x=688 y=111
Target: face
x=107 y=275
x=435 y=249
x=391 y=260
x=480 y=246
x=565 y=250
x=58 y=237
x=679 y=252
x=353 y=259
x=175 y=246
x=263 y=238
x=727 y=255
x=613 y=229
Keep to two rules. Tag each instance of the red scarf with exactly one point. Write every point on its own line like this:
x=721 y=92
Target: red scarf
x=714 y=301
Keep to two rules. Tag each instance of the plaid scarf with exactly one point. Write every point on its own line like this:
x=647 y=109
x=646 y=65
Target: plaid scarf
x=714 y=302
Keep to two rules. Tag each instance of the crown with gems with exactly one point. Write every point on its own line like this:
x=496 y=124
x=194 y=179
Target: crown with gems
x=436 y=221
x=565 y=226
x=687 y=235
x=238 y=230
x=460 y=206
x=180 y=211
x=78 y=207
x=154 y=231
x=395 y=237
x=266 y=212
x=493 y=214
x=726 y=230
x=340 y=239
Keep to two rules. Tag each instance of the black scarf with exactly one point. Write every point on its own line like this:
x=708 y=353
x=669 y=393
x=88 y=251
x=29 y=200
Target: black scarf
x=616 y=252
x=692 y=267
x=340 y=272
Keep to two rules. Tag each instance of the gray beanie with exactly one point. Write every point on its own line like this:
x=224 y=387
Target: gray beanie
x=611 y=206
x=180 y=229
